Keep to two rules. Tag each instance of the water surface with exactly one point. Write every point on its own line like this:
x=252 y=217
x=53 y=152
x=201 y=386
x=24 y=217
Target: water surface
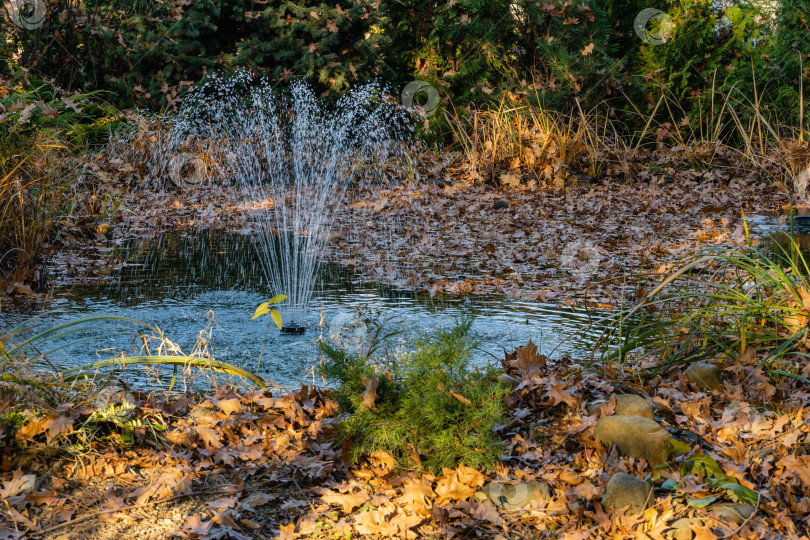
x=175 y=280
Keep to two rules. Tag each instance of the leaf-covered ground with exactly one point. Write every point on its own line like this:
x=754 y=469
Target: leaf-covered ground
x=257 y=464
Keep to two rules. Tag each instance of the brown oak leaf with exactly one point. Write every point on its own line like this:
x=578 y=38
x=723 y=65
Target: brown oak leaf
x=347 y=501
x=229 y=406
x=526 y=360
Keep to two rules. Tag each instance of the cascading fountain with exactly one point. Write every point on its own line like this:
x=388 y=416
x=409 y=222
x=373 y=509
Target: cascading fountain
x=295 y=153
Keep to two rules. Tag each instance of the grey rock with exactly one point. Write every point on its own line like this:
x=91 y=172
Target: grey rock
x=735 y=513
x=633 y=405
x=634 y=436
x=513 y=496
x=508 y=380
x=626 y=490
x=626 y=405
x=705 y=376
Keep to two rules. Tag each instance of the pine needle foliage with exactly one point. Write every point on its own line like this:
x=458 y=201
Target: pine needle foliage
x=431 y=409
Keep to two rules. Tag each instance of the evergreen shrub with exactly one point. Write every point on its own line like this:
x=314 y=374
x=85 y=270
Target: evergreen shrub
x=431 y=410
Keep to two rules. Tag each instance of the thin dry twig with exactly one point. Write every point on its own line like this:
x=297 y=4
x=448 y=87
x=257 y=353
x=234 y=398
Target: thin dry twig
x=121 y=509
x=738 y=529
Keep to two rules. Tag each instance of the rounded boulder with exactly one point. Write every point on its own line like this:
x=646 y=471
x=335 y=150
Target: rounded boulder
x=634 y=436
x=626 y=490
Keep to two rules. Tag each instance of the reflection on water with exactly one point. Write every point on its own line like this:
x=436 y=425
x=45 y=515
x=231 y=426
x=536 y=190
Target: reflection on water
x=173 y=281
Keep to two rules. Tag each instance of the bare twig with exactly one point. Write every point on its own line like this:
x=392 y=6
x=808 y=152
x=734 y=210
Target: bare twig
x=738 y=529
x=122 y=509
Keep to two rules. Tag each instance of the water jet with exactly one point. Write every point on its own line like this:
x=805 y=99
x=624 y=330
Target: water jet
x=289 y=159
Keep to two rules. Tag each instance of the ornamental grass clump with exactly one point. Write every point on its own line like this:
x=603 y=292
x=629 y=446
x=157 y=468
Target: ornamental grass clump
x=717 y=304
x=428 y=410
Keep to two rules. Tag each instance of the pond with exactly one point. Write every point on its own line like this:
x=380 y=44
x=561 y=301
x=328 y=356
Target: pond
x=172 y=281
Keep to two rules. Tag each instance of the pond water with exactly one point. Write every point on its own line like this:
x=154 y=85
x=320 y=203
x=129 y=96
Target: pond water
x=173 y=281
x=777 y=234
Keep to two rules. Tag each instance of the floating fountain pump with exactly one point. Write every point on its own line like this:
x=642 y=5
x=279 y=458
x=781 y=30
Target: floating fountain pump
x=293 y=330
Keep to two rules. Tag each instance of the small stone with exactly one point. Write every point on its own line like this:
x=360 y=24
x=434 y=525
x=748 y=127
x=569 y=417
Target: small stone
x=508 y=381
x=735 y=513
x=633 y=405
x=634 y=436
x=681 y=529
x=705 y=376
x=625 y=490
x=513 y=496
x=581 y=179
x=500 y=204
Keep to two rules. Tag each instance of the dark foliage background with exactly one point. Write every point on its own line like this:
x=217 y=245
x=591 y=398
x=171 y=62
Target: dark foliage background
x=146 y=53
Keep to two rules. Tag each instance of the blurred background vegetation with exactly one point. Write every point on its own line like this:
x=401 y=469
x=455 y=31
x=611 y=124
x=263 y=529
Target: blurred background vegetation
x=147 y=52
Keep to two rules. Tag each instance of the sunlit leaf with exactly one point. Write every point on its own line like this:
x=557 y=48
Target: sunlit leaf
x=742 y=493
x=703 y=502
x=261 y=310
x=678 y=447
x=276 y=318
x=265 y=308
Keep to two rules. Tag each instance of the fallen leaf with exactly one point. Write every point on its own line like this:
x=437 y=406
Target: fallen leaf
x=229 y=406
x=19 y=482
x=370 y=394
x=195 y=525
x=347 y=501
x=59 y=425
